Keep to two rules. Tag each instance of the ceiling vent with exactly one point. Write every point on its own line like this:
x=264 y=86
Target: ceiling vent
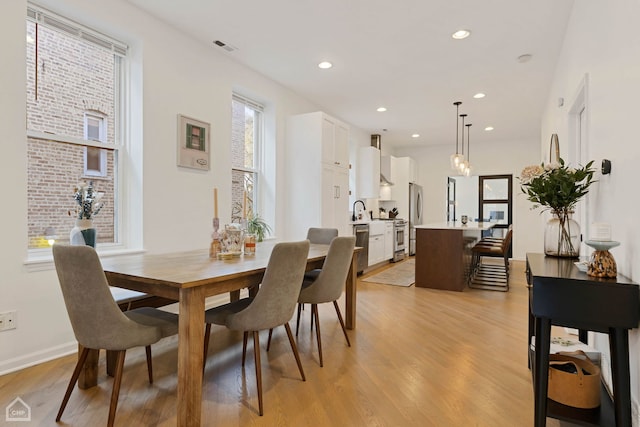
x=225 y=46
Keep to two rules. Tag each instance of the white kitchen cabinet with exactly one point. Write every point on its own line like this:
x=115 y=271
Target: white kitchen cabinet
x=388 y=240
x=317 y=174
x=368 y=173
x=405 y=172
x=413 y=170
x=335 y=187
x=376 y=249
x=335 y=141
x=376 y=242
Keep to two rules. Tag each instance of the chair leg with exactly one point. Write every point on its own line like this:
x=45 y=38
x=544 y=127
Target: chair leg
x=312 y=318
x=269 y=339
x=295 y=350
x=149 y=363
x=314 y=312
x=207 y=334
x=298 y=318
x=344 y=330
x=256 y=354
x=117 y=380
x=245 y=336
x=72 y=382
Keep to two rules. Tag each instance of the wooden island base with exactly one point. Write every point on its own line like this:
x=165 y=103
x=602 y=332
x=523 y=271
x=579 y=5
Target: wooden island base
x=443 y=254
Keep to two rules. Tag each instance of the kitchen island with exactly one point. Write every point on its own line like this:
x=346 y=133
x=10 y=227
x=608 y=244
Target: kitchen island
x=443 y=253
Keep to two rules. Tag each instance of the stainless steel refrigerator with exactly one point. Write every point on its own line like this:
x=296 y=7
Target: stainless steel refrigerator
x=415 y=214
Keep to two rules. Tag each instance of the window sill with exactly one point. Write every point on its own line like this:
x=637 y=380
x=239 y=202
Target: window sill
x=42 y=259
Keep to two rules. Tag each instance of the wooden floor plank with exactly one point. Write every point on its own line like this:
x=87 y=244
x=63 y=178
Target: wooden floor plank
x=419 y=357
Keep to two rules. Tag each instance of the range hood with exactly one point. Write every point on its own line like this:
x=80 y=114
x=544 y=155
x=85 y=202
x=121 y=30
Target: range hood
x=376 y=141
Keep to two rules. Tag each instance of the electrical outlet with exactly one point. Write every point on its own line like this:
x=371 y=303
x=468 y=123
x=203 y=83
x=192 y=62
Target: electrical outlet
x=7 y=321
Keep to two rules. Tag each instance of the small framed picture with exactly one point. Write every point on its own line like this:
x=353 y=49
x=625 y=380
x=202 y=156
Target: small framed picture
x=193 y=143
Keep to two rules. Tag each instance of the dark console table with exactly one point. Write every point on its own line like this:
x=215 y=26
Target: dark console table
x=562 y=295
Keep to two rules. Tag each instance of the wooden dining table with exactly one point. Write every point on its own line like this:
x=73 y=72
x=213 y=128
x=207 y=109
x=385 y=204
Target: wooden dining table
x=189 y=278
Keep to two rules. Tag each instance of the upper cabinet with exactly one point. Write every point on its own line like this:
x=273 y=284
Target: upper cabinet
x=335 y=141
x=413 y=170
x=368 y=173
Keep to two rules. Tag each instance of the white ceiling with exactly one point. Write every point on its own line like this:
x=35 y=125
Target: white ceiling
x=398 y=54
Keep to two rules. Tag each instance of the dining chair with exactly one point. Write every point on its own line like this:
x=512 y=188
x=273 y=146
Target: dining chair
x=322 y=236
x=273 y=305
x=328 y=286
x=97 y=321
x=491 y=276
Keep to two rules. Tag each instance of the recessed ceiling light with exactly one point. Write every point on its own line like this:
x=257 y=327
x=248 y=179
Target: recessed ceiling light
x=415 y=135
x=325 y=64
x=381 y=109
x=479 y=95
x=488 y=128
x=461 y=34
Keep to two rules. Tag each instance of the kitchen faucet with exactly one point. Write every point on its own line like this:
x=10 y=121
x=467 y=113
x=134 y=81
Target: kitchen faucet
x=353 y=217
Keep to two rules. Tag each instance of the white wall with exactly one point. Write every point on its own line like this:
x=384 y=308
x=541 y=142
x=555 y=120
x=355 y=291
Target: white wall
x=602 y=42
x=508 y=157
x=177 y=203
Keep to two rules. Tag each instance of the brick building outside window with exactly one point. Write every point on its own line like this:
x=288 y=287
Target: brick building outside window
x=74 y=85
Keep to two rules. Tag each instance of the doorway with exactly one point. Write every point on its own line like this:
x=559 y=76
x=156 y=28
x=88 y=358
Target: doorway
x=495 y=202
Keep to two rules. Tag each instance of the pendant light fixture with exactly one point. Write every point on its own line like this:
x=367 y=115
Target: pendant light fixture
x=456 y=158
x=463 y=163
x=467 y=169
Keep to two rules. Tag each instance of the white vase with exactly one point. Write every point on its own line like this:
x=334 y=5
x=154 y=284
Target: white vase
x=562 y=236
x=83 y=233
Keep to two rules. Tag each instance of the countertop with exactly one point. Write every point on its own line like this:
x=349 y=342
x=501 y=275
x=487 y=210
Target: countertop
x=456 y=225
x=369 y=221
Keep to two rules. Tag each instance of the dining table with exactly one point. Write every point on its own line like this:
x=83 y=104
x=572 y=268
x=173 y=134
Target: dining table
x=189 y=278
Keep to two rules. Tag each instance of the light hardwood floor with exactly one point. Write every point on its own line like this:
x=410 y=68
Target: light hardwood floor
x=419 y=357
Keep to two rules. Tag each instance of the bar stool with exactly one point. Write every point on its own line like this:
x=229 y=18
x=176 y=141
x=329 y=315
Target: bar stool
x=491 y=276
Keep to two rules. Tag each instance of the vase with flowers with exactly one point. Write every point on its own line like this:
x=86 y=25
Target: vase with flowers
x=558 y=188
x=89 y=204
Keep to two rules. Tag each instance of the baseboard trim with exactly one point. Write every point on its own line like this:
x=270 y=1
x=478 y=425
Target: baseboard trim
x=41 y=356
x=37 y=357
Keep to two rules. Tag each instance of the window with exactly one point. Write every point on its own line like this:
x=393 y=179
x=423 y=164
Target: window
x=75 y=122
x=246 y=141
x=95 y=159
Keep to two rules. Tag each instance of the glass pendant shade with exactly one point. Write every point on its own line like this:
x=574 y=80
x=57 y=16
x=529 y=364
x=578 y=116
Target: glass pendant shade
x=456 y=160
x=462 y=166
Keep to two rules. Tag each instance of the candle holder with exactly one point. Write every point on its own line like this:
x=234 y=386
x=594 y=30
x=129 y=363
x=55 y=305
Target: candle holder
x=214 y=248
x=602 y=263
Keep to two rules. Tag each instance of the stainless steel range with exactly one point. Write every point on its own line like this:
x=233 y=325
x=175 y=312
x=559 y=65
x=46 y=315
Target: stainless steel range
x=400 y=239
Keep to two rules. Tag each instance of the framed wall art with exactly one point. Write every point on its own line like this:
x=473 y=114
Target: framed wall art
x=193 y=143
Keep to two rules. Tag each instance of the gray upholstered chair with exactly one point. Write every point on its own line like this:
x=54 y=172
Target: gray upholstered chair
x=273 y=304
x=97 y=321
x=329 y=284
x=321 y=236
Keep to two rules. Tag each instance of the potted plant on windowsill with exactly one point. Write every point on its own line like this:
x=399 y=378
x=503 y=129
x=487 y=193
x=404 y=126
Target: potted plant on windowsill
x=257 y=226
x=89 y=205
